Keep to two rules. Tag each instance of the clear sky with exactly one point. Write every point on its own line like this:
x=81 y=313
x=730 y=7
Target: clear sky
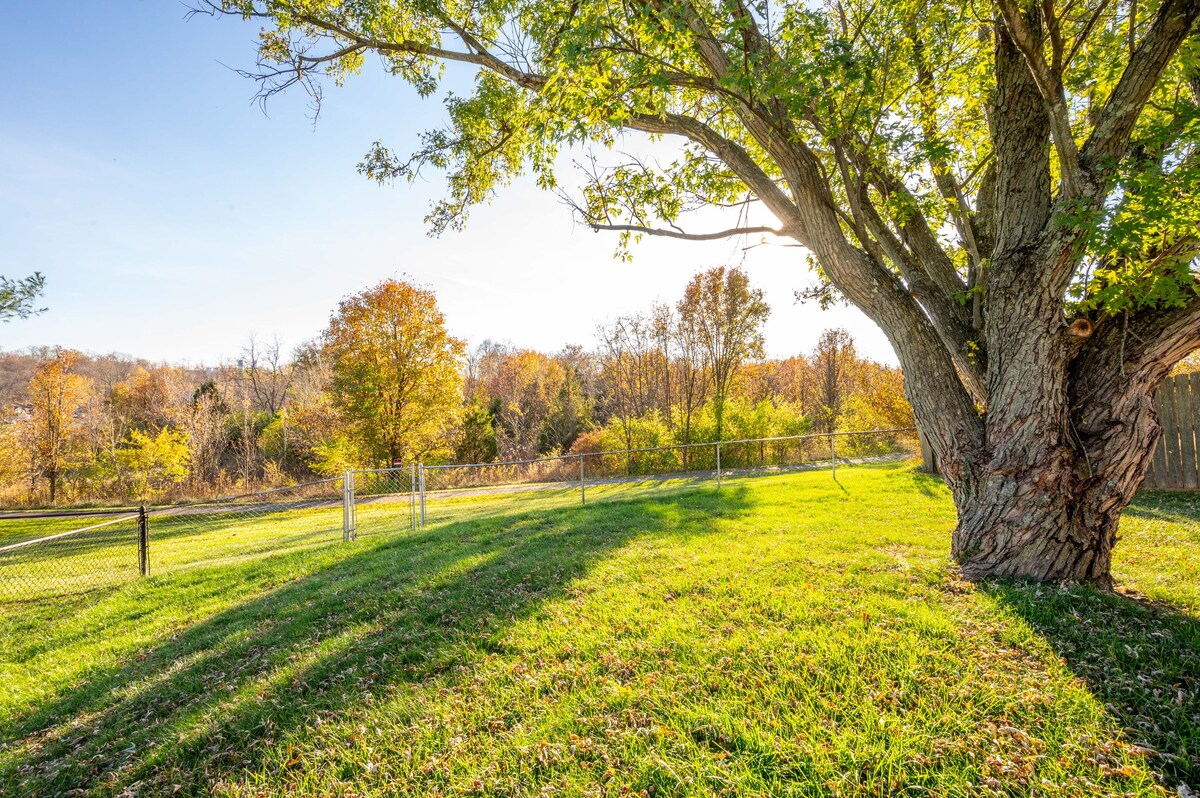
x=173 y=219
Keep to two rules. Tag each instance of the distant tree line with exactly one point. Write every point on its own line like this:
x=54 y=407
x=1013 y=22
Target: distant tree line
x=387 y=384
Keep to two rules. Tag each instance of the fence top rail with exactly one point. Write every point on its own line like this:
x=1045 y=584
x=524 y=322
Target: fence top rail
x=610 y=452
x=387 y=470
x=83 y=513
x=25 y=543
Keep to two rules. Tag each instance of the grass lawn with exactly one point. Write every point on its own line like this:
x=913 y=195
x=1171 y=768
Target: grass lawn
x=18 y=530
x=787 y=636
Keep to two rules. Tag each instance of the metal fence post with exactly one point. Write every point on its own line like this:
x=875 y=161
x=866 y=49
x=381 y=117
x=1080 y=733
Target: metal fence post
x=143 y=526
x=412 y=496
x=832 y=456
x=582 y=485
x=346 y=488
x=718 y=465
x=421 y=484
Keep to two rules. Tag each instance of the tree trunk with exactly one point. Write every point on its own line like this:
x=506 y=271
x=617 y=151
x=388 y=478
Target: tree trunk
x=1035 y=525
x=1045 y=499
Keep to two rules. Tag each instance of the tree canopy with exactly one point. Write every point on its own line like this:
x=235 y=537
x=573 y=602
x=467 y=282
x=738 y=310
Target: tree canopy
x=868 y=131
x=1007 y=189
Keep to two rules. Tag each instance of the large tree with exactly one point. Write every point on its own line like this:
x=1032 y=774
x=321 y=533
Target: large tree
x=1006 y=189
x=395 y=370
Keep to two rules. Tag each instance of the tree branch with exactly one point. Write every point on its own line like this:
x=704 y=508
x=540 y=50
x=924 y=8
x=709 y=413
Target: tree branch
x=1050 y=86
x=733 y=154
x=660 y=231
x=1115 y=121
x=358 y=41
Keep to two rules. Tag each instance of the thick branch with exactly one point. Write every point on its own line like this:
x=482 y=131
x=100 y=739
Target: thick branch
x=1152 y=339
x=1115 y=374
x=1050 y=86
x=1020 y=132
x=733 y=155
x=927 y=253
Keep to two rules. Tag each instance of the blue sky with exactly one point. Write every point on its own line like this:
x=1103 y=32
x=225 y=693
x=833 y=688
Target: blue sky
x=173 y=219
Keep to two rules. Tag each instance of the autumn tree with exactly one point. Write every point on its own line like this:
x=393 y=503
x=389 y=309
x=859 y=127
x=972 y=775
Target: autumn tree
x=877 y=400
x=571 y=414
x=59 y=399
x=693 y=379
x=794 y=380
x=14 y=465
x=307 y=417
x=662 y=333
x=200 y=414
x=524 y=390
x=155 y=463
x=395 y=370
x=482 y=363
x=727 y=316
x=1007 y=189
x=141 y=401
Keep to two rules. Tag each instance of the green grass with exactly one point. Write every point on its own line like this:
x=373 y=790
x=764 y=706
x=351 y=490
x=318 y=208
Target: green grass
x=18 y=530
x=1158 y=551
x=789 y=636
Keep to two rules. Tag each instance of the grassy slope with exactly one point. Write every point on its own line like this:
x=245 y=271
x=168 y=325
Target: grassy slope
x=789 y=636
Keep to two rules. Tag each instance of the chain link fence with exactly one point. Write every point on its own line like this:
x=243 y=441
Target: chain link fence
x=41 y=563
x=104 y=552
x=462 y=491
x=236 y=528
x=383 y=500
x=46 y=555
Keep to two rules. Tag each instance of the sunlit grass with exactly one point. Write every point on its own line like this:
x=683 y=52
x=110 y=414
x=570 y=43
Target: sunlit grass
x=787 y=636
x=1159 y=547
x=17 y=530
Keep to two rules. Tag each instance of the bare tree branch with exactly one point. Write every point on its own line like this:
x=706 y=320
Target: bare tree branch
x=660 y=231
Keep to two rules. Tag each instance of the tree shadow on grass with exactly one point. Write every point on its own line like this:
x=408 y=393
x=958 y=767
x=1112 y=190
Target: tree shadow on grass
x=1163 y=505
x=213 y=703
x=1141 y=659
x=932 y=485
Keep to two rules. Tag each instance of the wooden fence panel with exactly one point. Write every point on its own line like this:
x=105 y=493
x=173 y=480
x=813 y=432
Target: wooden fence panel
x=1176 y=463
x=1185 y=413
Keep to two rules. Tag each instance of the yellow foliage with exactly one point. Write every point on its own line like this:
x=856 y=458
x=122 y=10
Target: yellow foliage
x=395 y=371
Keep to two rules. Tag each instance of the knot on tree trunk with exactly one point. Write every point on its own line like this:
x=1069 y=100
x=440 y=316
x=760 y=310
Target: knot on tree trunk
x=1080 y=328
